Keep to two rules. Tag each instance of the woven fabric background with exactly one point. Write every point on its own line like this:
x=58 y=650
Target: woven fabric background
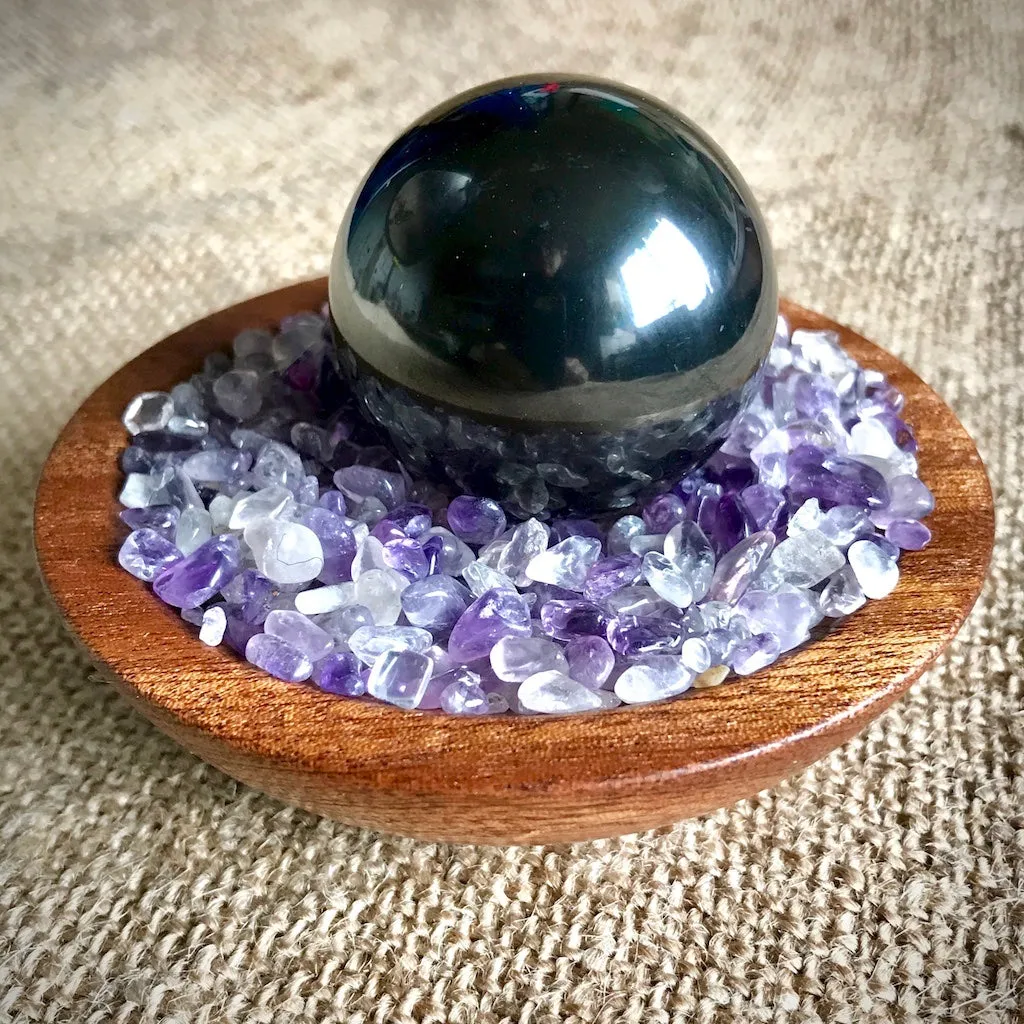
x=160 y=160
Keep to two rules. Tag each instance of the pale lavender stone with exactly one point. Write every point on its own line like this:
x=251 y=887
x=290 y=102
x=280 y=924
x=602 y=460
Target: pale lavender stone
x=566 y=564
x=844 y=524
x=482 y=577
x=238 y=631
x=514 y=658
x=834 y=479
x=146 y=553
x=764 y=504
x=607 y=575
x=193 y=580
x=908 y=534
x=336 y=540
x=652 y=678
x=361 y=483
x=591 y=661
x=695 y=654
x=345 y=621
x=738 y=567
x=691 y=551
x=841 y=595
x=333 y=501
x=807 y=558
x=566 y=620
x=279 y=658
x=876 y=570
x=622 y=531
x=638 y=603
x=787 y=616
x=663 y=512
x=407 y=557
x=411 y=518
x=238 y=393
x=216 y=465
x=495 y=614
x=553 y=692
x=370 y=642
x=160 y=518
x=435 y=602
x=754 y=654
x=464 y=695
x=400 y=678
x=302 y=633
x=475 y=520
x=633 y=638
x=909 y=498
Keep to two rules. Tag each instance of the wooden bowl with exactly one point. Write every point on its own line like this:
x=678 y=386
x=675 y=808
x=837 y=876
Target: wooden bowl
x=502 y=779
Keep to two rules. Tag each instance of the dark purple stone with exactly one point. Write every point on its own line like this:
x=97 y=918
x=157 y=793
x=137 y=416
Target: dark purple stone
x=566 y=620
x=723 y=521
x=609 y=574
x=340 y=673
x=493 y=615
x=634 y=637
x=833 y=479
x=197 y=577
x=663 y=512
x=433 y=549
x=475 y=520
x=337 y=540
x=411 y=518
x=239 y=630
x=160 y=518
x=765 y=505
x=562 y=529
x=333 y=501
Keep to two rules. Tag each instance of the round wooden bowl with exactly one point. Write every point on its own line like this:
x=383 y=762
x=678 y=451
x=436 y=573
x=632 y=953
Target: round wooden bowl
x=501 y=779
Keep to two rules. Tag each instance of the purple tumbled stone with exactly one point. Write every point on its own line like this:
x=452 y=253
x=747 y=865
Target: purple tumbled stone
x=908 y=534
x=562 y=529
x=340 y=673
x=833 y=479
x=814 y=393
x=475 y=520
x=607 y=575
x=433 y=549
x=146 y=553
x=463 y=694
x=566 y=620
x=635 y=637
x=386 y=530
x=493 y=615
x=406 y=555
x=766 y=505
x=160 y=518
x=198 y=576
x=411 y=518
x=435 y=603
x=723 y=521
x=737 y=568
x=333 y=501
x=757 y=652
x=663 y=512
x=256 y=593
x=238 y=630
x=591 y=660
x=278 y=657
x=908 y=498
x=360 y=483
x=336 y=539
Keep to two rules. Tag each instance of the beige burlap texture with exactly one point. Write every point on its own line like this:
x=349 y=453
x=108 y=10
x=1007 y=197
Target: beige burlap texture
x=160 y=160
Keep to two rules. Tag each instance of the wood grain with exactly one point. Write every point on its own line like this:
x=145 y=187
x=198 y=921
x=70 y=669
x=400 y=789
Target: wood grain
x=502 y=779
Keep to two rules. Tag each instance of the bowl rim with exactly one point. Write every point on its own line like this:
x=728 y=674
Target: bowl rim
x=789 y=713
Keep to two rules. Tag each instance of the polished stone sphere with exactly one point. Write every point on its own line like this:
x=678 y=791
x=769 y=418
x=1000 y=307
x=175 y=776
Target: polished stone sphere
x=554 y=291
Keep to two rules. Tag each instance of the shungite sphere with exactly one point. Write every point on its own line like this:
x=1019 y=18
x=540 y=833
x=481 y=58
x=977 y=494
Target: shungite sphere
x=555 y=291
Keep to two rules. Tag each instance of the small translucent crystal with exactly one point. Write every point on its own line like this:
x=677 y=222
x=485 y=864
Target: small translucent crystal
x=514 y=658
x=842 y=595
x=435 y=602
x=566 y=564
x=807 y=558
x=146 y=553
x=268 y=503
x=654 y=678
x=528 y=540
x=239 y=394
x=739 y=566
x=299 y=631
x=591 y=661
x=380 y=592
x=285 y=552
x=322 y=600
x=370 y=642
x=194 y=527
x=400 y=677
x=691 y=551
x=152 y=410
x=552 y=692
x=876 y=570
x=214 y=625
x=667 y=580
x=622 y=532
x=481 y=578
x=279 y=658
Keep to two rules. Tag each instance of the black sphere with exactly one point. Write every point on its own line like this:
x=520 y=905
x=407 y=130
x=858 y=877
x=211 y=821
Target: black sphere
x=555 y=291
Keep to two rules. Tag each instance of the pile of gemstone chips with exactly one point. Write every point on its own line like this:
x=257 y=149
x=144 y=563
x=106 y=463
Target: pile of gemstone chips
x=290 y=535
